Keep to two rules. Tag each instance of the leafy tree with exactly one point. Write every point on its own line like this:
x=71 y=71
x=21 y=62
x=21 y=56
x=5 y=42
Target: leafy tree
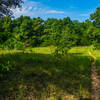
x=96 y=17
x=37 y=31
x=6 y=5
x=85 y=28
x=68 y=36
x=95 y=35
x=96 y=44
x=25 y=28
x=48 y=30
x=62 y=33
x=5 y=29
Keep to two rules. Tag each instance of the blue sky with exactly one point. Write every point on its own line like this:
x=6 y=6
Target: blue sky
x=75 y=9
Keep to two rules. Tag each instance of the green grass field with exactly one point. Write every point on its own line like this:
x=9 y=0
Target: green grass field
x=35 y=74
x=84 y=51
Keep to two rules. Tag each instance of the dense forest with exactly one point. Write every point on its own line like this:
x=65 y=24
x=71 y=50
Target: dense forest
x=64 y=33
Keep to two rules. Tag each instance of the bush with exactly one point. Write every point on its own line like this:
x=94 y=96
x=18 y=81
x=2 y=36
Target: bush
x=4 y=67
x=96 y=45
x=12 y=44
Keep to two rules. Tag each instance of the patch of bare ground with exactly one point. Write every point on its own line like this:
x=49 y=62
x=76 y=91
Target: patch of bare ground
x=95 y=83
x=95 y=80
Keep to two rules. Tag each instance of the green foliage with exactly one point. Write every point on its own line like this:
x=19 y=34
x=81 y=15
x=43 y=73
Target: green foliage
x=64 y=33
x=20 y=32
x=42 y=76
x=4 y=67
x=96 y=17
x=5 y=29
x=12 y=43
x=37 y=70
x=96 y=45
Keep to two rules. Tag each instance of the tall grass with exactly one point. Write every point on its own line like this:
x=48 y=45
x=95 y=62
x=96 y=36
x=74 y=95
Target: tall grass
x=41 y=76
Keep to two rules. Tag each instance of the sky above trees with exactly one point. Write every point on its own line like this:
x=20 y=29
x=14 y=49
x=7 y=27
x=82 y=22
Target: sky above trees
x=75 y=9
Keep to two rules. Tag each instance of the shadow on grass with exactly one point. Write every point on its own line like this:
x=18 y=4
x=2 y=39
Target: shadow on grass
x=44 y=77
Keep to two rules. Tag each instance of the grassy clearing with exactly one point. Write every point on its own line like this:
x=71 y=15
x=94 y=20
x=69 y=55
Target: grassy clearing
x=36 y=74
x=43 y=50
x=96 y=53
x=84 y=51
x=80 y=50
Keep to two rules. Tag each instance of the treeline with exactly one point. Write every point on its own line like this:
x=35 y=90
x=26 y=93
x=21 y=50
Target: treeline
x=31 y=32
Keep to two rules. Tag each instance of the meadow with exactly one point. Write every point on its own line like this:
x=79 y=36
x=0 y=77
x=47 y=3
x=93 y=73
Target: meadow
x=53 y=69
x=36 y=74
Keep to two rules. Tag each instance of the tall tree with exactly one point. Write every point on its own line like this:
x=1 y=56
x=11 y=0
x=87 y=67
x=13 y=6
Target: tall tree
x=5 y=29
x=37 y=31
x=96 y=17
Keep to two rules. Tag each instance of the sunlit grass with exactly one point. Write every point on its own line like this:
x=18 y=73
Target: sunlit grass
x=43 y=50
x=96 y=53
x=2 y=52
x=84 y=50
x=81 y=50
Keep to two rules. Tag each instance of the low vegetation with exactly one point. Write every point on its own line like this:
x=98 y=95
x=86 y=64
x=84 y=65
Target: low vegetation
x=42 y=76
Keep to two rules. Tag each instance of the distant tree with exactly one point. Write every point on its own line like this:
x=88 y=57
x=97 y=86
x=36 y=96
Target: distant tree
x=5 y=29
x=68 y=36
x=6 y=5
x=22 y=28
x=95 y=34
x=37 y=31
x=48 y=31
x=62 y=33
x=85 y=36
x=25 y=28
x=96 y=17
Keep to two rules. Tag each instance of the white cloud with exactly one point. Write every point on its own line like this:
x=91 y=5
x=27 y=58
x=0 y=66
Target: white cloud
x=84 y=15
x=18 y=11
x=54 y=12
x=35 y=9
x=30 y=8
x=72 y=7
x=27 y=9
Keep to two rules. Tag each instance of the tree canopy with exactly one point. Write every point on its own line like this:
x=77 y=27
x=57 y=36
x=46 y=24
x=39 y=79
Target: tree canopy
x=6 y=5
x=64 y=33
x=96 y=17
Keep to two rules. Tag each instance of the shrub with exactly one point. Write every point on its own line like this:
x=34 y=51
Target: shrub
x=96 y=45
x=12 y=44
x=4 y=67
